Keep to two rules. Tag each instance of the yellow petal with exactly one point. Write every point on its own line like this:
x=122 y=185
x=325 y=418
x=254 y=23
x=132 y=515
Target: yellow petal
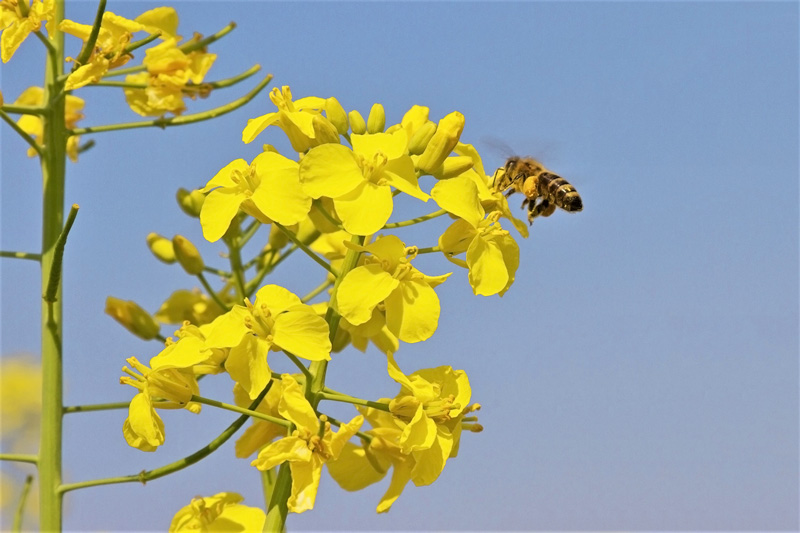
x=163 y=19
x=457 y=238
x=13 y=36
x=277 y=299
x=143 y=429
x=361 y=290
x=510 y=250
x=345 y=432
x=295 y=407
x=257 y=125
x=353 y=471
x=365 y=209
x=392 y=145
x=329 y=170
x=247 y=365
x=459 y=196
x=89 y=73
x=280 y=196
x=400 y=477
x=227 y=330
x=412 y=311
x=286 y=449
x=305 y=482
x=219 y=208
x=419 y=433
x=399 y=173
x=304 y=333
x=487 y=269
x=430 y=462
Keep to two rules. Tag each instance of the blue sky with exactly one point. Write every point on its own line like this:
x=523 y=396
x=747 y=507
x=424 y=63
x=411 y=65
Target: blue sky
x=642 y=372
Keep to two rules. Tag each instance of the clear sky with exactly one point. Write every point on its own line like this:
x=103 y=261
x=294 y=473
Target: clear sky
x=642 y=372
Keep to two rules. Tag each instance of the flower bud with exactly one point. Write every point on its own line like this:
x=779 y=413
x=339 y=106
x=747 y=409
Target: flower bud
x=277 y=238
x=442 y=143
x=191 y=202
x=161 y=247
x=134 y=318
x=414 y=119
x=420 y=139
x=336 y=114
x=187 y=255
x=377 y=119
x=453 y=166
x=357 y=124
x=324 y=131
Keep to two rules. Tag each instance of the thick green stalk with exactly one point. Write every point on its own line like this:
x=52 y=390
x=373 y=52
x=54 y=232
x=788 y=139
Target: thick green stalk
x=276 y=517
x=53 y=177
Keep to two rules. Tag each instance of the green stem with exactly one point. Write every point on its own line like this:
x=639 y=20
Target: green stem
x=180 y=464
x=88 y=46
x=413 y=221
x=164 y=122
x=241 y=410
x=429 y=250
x=20 y=513
x=298 y=364
x=95 y=407
x=321 y=287
x=53 y=180
x=24 y=109
x=328 y=216
x=21 y=255
x=278 y=510
x=350 y=399
x=309 y=252
x=211 y=292
x=25 y=137
x=19 y=457
x=235 y=257
x=248 y=233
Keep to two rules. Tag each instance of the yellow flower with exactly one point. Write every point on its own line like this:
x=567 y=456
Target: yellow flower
x=32 y=125
x=168 y=383
x=310 y=446
x=492 y=255
x=301 y=121
x=267 y=189
x=222 y=512
x=360 y=180
x=441 y=143
x=163 y=19
x=115 y=34
x=387 y=281
x=171 y=74
x=16 y=27
x=277 y=321
x=193 y=306
x=358 y=467
x=428 y=409
x=260 y=432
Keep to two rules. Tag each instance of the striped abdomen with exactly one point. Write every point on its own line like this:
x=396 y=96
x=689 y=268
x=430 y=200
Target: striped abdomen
x=560 y=192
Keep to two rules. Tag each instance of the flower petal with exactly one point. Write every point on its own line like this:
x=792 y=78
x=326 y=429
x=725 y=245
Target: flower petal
x=257 y=125
x=303 y=333
x=412 y=311
x=488 y=274
x=353 y=471
x=295 y=407
x=361 y=290
x=219 y=208
x=247 y=364
x=459 y=196
x=305 y=483
x=277 y=299
x=329 y=170
x=286 y=449
x=365 y=209
x=400 y=477
x=280 y=196
x=430 y=462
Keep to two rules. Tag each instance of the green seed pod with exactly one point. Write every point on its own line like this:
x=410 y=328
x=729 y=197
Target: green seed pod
x=161 y=247
x=377 y=119
x=134 y=318
x=357 y=124
x=419 y=141
x=336 y=114
x=187 y=255
x=191 y=202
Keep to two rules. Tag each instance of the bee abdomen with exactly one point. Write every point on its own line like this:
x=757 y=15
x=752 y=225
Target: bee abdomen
x=563 y=193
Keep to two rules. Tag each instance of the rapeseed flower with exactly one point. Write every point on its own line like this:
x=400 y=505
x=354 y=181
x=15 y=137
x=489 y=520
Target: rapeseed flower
x=360 y=180
x=16 y=27
x=300 y=120
x=171 y=74
x=492 y=255
x=278 y=320
x=387 y=281
x=310 y=446
x=218 y=513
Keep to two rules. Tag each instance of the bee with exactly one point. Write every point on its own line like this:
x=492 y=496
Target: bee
x=543 y=190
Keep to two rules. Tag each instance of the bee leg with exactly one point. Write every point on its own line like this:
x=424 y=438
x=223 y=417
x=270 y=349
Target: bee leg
x=542 y=208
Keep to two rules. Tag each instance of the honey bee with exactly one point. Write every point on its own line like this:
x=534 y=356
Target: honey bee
x=543 y=190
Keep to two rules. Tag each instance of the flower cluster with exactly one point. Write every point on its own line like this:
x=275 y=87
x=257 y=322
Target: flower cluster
x=334 y=201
